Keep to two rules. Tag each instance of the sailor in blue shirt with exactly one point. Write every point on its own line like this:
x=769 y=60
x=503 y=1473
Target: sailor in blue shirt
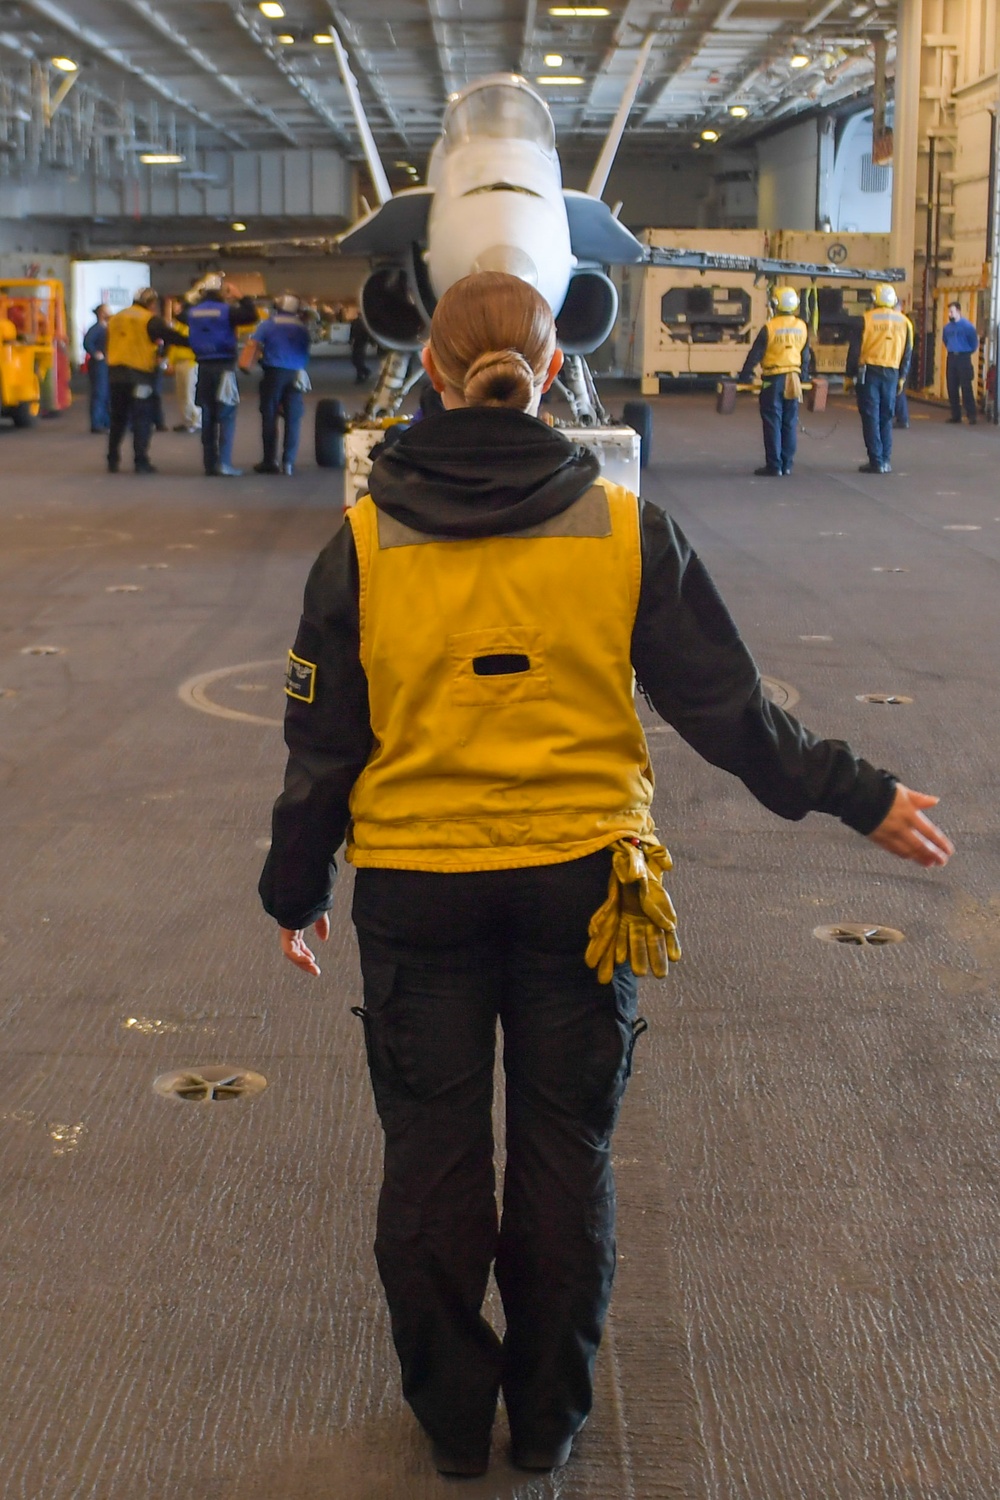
x=961 y=341
x=212 y=314
x=283 y=342
x=95 y=346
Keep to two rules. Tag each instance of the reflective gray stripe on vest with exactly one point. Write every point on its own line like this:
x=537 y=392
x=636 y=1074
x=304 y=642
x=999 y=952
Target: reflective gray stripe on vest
x=589 y=516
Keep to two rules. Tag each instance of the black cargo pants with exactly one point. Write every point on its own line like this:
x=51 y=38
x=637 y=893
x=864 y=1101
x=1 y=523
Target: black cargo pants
x=443 y=957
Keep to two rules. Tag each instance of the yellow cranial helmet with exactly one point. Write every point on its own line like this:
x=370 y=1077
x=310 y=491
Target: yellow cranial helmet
x=885 y=295
x=787 y=299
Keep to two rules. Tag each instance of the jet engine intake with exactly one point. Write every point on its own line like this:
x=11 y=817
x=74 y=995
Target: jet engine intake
x=588 y=314
x=391 y=310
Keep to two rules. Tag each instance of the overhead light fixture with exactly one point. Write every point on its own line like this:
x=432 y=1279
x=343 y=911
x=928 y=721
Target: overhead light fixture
x=738 y=111
x=285 y=38
x=557 y=79
x=553 y=59
x=799 y=60
x=271 y=9
x=65 y=64
x=238 y=226
x=710 y=135
x=161 y=159
x=323 y=39
x=579 y=10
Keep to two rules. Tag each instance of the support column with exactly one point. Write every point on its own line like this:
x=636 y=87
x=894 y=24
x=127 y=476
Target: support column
x=905 y=133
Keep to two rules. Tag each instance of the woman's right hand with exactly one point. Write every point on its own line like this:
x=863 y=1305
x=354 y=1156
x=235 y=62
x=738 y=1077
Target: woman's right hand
x=297 y=950
x=905 y=831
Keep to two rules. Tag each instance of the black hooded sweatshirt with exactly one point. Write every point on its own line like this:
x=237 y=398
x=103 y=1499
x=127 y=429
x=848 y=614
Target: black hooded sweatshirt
x=481 y=472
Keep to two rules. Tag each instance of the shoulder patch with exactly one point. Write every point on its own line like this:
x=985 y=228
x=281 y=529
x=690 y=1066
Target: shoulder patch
x=300 y=679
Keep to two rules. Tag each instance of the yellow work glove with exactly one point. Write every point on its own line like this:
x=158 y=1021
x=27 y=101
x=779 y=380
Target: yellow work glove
x=637 y=923
x=793 y=387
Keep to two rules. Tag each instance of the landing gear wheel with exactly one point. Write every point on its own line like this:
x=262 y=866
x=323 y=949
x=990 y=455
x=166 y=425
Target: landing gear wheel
x=639 y=416
x=23 y=415
x=331 y=425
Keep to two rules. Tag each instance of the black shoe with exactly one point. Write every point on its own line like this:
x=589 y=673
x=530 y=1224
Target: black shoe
x=100 y=429
x=143 y=466
x=954 y=419
x=181 y=427
x=161 y=427
x=112 y=466
x=460 y=1465
x=972 y=421
x=870 y=468
x=288 y=469
x=266 y=469
x=543 y=1458
x=768 y=473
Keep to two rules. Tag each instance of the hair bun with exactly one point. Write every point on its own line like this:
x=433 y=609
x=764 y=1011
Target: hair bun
x=501 y=377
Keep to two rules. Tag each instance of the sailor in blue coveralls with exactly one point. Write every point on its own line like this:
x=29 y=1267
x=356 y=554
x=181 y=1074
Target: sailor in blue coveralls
x=283 y=341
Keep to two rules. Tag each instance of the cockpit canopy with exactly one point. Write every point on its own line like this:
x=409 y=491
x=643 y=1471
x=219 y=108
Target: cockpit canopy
x=502 y=107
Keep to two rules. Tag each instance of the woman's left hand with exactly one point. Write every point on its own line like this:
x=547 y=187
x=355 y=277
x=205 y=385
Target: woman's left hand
x=905 y=831
x=295 y=947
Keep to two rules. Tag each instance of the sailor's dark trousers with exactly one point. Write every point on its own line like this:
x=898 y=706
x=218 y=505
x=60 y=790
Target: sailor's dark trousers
x=443 y=958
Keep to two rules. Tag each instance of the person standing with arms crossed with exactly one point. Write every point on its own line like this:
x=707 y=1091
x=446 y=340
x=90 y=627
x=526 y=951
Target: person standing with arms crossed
x=461 y=706
x=961 y=342
x=781 y=348
x=95 y=346
x=878 y=361
x=283 y=342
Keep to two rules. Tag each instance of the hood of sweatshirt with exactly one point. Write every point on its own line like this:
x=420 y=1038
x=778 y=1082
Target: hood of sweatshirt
x=480 y=471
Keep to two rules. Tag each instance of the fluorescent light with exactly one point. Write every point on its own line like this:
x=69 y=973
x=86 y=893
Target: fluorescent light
x=578 y=10
x=285 y=38
x=553 y=59
x=238 y=226
x=800 y=60
x=323 y=39
x=710 y=135
x=271 y=9
x=738 y=111
x=64 y=64
x=566 y=79
x=161 y=158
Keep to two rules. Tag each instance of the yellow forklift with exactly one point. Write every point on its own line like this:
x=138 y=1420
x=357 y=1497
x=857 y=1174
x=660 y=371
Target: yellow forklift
x=34 y=350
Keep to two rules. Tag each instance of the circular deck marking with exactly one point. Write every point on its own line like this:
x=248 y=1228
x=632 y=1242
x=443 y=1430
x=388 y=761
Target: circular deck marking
x=891 y=698
x=182 y=547
x=42 y=650
x=148 y=567
x=123 y=588
x=960 y=526
x=858 y=934
x=815 y=637
x=781 y=694
x=195 y=692
x=214 y=1085
x=890 y=570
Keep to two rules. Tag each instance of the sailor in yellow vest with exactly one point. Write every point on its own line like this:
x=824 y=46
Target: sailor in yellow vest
x=460 y=707
x=181 y=359
x=878 y=361
x=135 y=337
x=781 y=348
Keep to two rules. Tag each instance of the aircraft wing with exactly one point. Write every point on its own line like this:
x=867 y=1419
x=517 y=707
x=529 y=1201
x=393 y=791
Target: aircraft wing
x=596 y=235
x=710 y=260
x=394 y=227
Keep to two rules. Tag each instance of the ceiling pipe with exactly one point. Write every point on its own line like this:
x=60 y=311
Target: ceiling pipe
x=90 y=40
x=247 y=101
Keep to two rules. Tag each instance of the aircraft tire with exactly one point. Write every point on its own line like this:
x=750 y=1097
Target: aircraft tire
x=331 y=425
x=23 y=415
x=639 y=416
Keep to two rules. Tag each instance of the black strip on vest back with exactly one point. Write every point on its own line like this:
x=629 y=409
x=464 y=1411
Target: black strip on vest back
x=500 y=664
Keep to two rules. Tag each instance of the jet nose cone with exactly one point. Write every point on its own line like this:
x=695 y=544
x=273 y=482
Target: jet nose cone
x=510 y=259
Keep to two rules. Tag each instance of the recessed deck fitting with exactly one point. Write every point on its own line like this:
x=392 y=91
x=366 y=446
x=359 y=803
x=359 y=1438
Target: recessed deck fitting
x=858 y=934
x=882 y=698
x=214 y=1085
x=42 y=650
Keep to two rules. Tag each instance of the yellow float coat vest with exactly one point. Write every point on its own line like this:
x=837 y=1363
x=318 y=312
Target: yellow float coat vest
x=787 y=336
x=501 y=691
x=128 y=339
x=884 y=340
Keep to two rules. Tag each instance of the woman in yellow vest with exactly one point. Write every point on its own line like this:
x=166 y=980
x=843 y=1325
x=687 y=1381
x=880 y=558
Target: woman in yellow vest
x=460 y=707
x=781 y=348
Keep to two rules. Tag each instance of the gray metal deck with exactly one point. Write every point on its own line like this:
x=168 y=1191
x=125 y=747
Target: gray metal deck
x=809 y=1155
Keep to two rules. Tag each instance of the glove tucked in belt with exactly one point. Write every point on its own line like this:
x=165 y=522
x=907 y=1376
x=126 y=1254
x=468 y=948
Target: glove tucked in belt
x=793 y=386
x=637 y=923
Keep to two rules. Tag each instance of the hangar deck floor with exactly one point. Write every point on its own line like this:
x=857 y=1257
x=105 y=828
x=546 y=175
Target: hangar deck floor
x=809 y=1155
